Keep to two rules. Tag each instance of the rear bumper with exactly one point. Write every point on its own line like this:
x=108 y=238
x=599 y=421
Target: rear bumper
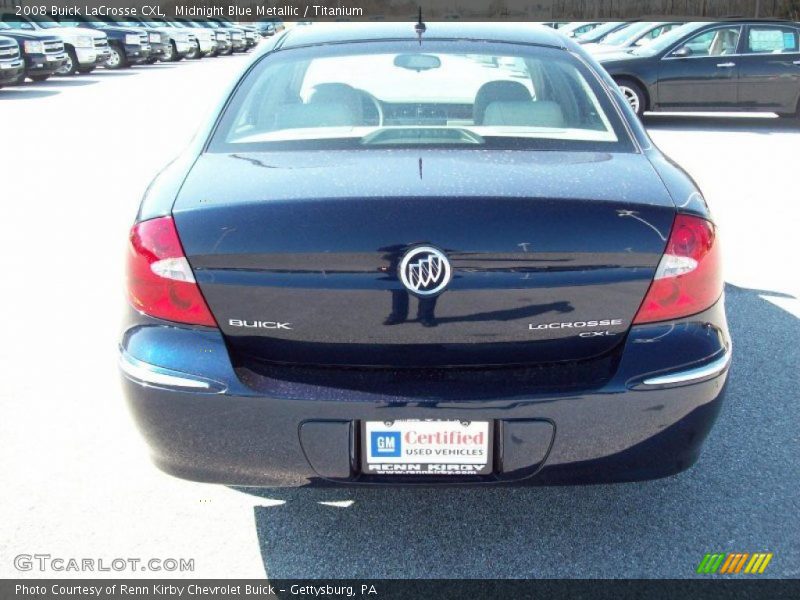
x=204 y=423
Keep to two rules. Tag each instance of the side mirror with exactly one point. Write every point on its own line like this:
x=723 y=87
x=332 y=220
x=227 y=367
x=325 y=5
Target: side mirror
x=682 y=52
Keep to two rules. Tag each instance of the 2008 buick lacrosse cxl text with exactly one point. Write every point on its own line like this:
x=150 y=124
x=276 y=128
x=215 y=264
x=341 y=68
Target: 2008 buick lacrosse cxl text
x=407 y=255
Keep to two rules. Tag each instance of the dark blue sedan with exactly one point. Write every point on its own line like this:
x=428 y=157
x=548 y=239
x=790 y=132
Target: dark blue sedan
x=424 y=255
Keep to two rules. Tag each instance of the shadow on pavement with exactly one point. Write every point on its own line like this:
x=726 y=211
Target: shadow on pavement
x=24 y=93
x=742 y=496
x=110 y=73
x=54 y=82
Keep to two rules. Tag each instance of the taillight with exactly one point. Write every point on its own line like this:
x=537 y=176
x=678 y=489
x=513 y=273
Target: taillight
x=688 y=279
x=160 y=280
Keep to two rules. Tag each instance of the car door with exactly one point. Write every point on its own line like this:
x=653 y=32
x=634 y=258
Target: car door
x=701 y=71
x=769 y=68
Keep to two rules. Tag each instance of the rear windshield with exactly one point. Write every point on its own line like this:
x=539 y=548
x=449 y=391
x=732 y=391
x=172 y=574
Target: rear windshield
x=469 y=94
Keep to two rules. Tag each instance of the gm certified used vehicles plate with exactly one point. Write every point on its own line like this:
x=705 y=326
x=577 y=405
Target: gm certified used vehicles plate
x=430 y=447
x=450 y=256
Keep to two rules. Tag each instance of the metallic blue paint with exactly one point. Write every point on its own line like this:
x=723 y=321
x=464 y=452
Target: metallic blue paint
x=243 y=219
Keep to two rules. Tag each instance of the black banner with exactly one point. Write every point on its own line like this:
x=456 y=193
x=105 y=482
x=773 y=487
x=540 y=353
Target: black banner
x=401 y=10
x=697 y=589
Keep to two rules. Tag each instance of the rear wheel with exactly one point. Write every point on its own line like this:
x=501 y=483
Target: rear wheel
x=194 y=52
x=39 y=78
x=71 y=66
x=171 y=53
x=117 y=58
x=634 y=95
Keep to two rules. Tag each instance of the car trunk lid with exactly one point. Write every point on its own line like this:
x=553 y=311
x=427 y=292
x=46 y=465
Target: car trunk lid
x=297 y=254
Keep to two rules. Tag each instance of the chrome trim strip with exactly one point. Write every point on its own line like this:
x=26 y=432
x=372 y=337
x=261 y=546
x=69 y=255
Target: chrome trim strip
x=713 y=368
x=143 y=372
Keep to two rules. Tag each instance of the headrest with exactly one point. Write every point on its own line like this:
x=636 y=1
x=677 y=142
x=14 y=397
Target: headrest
x=542 y=113
x=497 y=91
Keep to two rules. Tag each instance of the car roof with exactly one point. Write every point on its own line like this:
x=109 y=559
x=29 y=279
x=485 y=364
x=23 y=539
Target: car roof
x=331 y=33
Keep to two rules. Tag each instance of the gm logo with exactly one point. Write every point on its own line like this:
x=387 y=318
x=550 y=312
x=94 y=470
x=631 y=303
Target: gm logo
x=385 y=444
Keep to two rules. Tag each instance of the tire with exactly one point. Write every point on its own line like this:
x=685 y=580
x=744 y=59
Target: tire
x=71 y=66
x=634 y=95
x=85 y=70
x=152 y=60
x=792 y=116
x=39 y=78
x=171 y=53
x=117 y=60
x=195 y=52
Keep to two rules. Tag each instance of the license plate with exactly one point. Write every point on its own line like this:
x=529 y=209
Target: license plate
x=426 y=447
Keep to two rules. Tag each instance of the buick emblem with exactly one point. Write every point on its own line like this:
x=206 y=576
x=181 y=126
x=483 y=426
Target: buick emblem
x=425 y=271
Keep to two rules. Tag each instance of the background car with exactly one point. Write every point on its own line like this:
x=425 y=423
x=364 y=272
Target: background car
x=86 y=49
x=43 y=53
x=724 y=66
x=237 y=35
x=251 y=34
x=128 y=45
x=578 y=28
x=11 y=64
x=209 y=42
x=160 y=43
x=599 y=32
x=265 y=28
x=635 y=34
x=223 y=41
x=180 y=42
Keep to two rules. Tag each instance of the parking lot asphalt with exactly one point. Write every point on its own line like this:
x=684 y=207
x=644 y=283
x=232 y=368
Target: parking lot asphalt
x=76 y=154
